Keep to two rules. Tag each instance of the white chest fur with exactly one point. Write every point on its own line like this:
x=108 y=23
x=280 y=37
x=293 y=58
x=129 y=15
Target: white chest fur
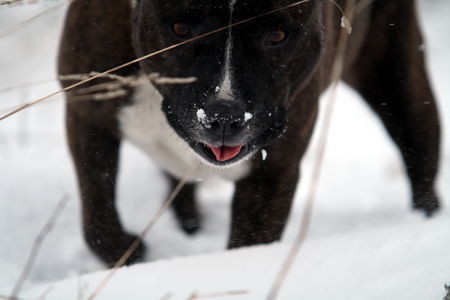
x=144 y=124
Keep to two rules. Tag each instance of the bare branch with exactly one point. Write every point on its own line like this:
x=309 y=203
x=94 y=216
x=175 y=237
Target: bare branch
x=37 y=246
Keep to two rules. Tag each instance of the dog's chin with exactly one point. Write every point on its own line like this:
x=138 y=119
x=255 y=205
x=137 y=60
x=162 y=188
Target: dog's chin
x=223 y=156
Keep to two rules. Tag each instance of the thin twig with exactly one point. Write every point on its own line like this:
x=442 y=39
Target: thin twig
x=195 y=295
x=9 y=298
x=115 y=88
x=37 y=246
x=32 y=19
x=323 y=138
x=46 y=292
x=144 y=232
x=17 y=2
x=26 y=84
x=124 y=80
x=201 y=36
x=9 y=2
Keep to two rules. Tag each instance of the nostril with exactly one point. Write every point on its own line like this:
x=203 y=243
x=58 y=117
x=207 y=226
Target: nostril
x=235 y=125
x=215 y=124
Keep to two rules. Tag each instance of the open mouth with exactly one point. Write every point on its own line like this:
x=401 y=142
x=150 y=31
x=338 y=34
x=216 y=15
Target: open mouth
x=223 y=154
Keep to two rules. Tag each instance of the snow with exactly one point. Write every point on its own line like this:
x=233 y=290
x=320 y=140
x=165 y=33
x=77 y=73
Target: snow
x=201 y=115
x=345 y=23
x=264 y=154
x=247 y=116
x=347 y=265
x=364 y=242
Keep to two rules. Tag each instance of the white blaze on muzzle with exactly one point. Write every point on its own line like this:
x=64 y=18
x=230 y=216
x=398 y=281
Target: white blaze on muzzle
x=225 y=89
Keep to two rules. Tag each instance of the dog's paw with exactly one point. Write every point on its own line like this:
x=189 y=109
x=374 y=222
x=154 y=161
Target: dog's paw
x=426 y=202
x=111 y=247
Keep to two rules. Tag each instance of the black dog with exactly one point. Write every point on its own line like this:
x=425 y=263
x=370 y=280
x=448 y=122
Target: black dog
x=256 y=89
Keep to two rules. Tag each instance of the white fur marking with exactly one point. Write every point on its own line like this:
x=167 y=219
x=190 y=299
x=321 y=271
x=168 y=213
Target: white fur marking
x=225 y=91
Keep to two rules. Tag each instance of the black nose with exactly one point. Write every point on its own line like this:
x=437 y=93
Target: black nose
x=224 y=118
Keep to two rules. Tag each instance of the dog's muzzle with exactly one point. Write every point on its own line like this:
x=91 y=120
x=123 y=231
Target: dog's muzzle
x=223 y=125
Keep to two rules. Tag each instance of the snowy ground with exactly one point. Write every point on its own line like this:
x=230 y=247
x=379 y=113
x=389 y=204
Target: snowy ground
x=365 y=243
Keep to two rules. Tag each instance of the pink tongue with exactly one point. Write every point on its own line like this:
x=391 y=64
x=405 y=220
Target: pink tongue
x=224 y=153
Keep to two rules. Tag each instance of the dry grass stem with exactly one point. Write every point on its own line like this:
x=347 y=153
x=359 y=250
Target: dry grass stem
x=201 y=36
x=122 y=79
x=101 y=96
x=17 y=2
x=24 y=85
x=46 y=292
x=32 y=19
x=317 y=167
x=143 y=234
x=37 y=246
x=115 y=88
x=345 y=23
x=166 y=296
x=195 y=295
x=9 y=298
x=168 y=80
x=10 y=2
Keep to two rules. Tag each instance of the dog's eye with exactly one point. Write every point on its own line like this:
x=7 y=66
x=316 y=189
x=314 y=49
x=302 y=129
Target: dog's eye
x=276 y=37
x=181 y=29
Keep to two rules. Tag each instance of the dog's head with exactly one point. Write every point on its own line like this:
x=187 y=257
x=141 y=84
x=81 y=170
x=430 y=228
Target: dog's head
x=246 y=74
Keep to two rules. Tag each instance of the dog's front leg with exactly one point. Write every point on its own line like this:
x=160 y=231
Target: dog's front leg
x=95 y=150
x=263 y=199
x=261 y=205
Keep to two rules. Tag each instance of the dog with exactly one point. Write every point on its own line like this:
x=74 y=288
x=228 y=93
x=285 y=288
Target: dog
x=249 y=112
